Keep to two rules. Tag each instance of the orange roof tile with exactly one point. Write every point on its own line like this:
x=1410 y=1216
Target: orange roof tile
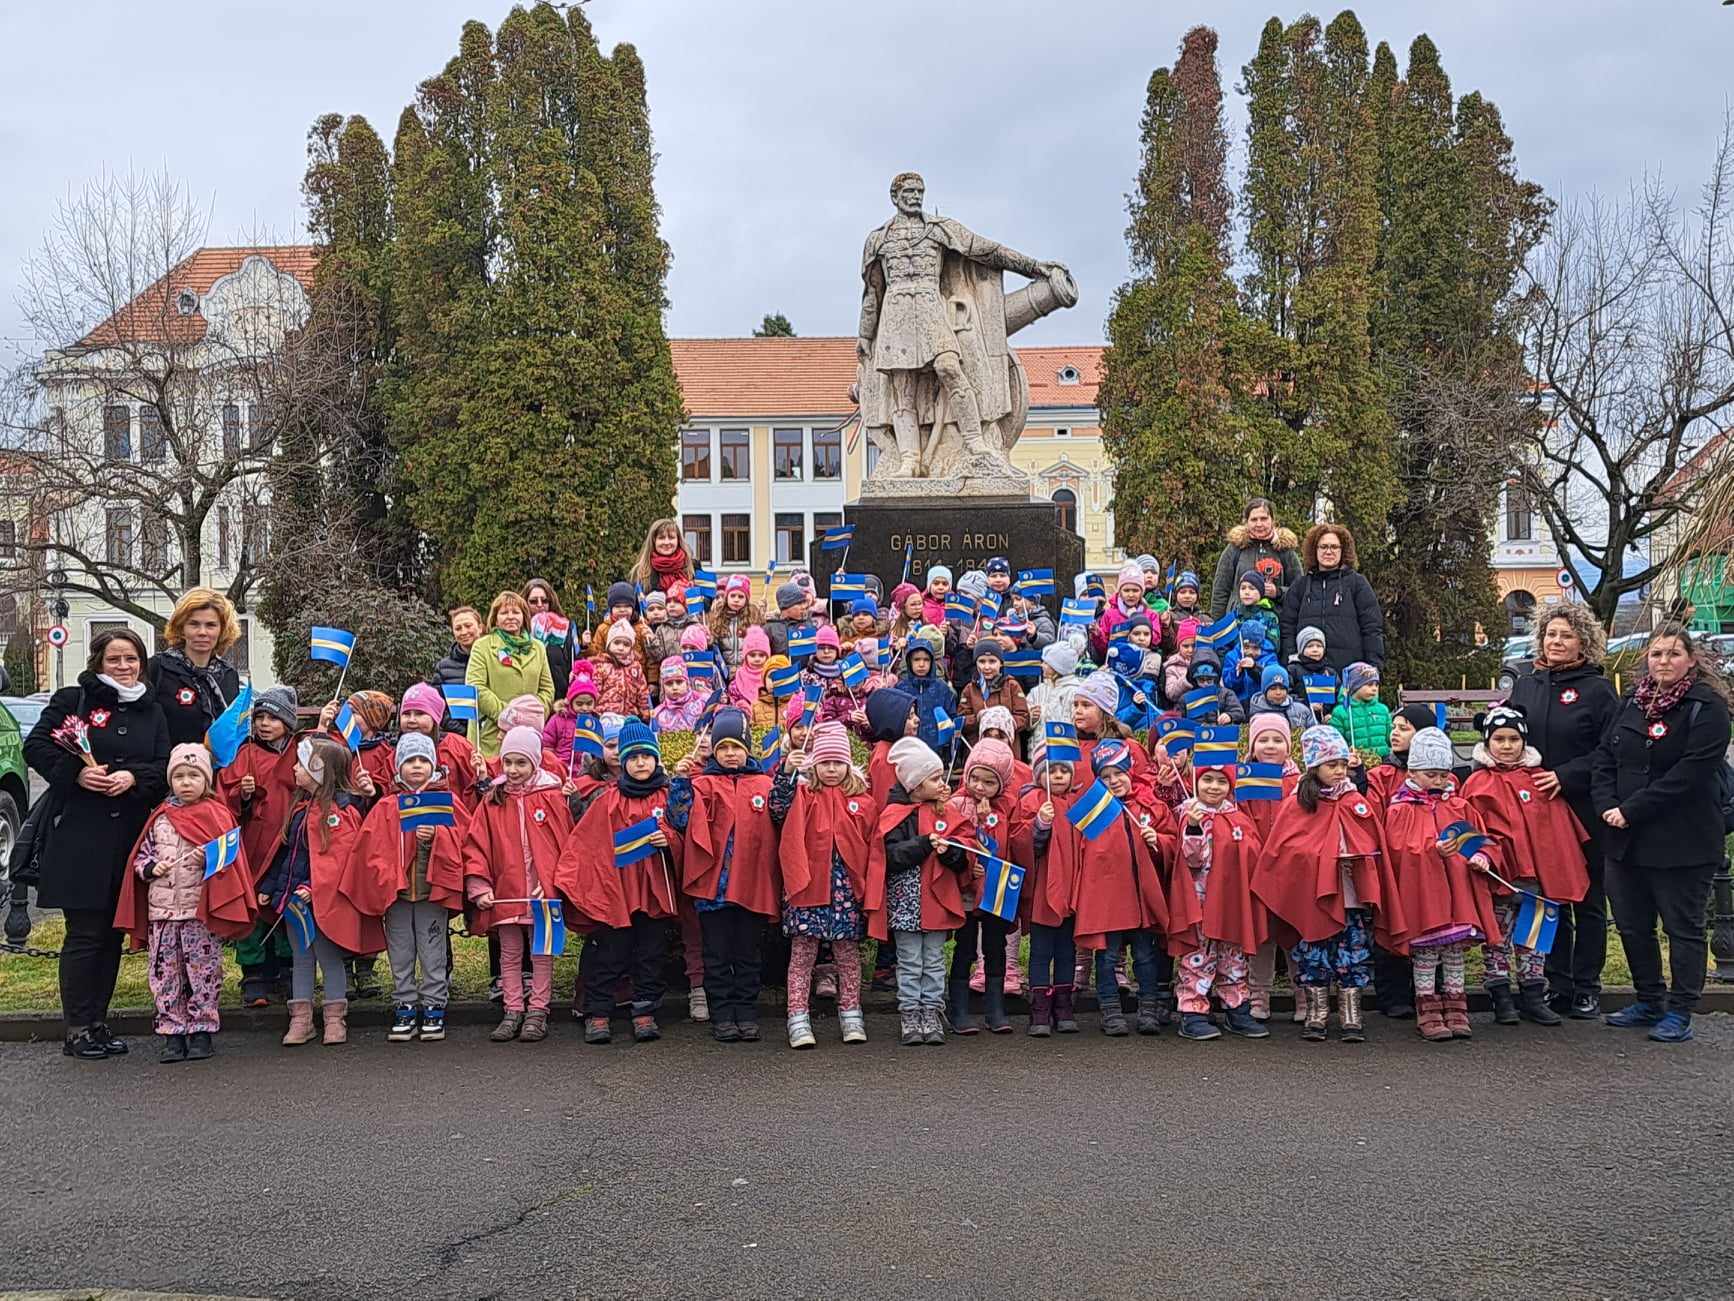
x=740 y=378
x=152 y=315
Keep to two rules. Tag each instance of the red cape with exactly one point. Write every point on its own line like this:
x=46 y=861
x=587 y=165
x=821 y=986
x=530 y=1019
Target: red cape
x=1438 y=890
x=227 y=906
x=338 y=918
x=738 y=806
x=603 y=894
x=1229 y=913
x=1299 y=872
x=1539 y=837
x=880 y=777
x=1115 y=882
x=379 y=762
x=1382 y=782
x=1262 y=813
x=1144 y=801
x=1046 y=899
x=943 y=904
x=384 y=858
x=494 y=850
x=263 y=817
x=457 y=759
x=822 y=820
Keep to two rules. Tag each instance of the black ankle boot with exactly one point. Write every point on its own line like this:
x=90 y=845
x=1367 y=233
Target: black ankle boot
x=174 y=1049
x=1532 y=1005
x=1504 y=1004
x=199 y=1045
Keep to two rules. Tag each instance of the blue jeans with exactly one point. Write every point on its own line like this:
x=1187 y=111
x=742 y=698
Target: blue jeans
x=1052 y=955
x=1143 y=963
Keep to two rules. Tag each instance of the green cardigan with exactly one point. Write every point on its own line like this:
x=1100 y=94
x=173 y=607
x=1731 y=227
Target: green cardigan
x=496 y=684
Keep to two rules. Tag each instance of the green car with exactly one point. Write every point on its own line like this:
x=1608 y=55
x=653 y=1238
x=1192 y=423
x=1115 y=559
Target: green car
x=14 y=786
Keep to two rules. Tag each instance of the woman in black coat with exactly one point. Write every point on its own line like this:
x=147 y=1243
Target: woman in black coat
x=1569 y=703
x=1657 y=785
x=1332 y=597
x=190 y=680
x=539 y=595
x=97 y=813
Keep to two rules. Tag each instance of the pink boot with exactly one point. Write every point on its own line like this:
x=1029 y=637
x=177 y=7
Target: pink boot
x=978 y=976
x=1014 y=975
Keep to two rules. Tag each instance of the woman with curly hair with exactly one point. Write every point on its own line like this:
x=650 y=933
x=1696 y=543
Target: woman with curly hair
x=190 y=680
x=1568 y=702
x=1332 y=597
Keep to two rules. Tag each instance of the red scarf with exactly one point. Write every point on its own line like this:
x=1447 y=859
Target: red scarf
x=1656 y=700
x=671 y=569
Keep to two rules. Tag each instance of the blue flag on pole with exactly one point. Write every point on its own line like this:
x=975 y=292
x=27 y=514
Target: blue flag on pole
x=1094 y=811
x=1061 y=740
x=224 y=736
x=1463 y=839
x=810 y=696
x=848 y=587
x=700 y=665
x=853 y=670
x=837 y=538
x=704 y=581
x=349 y=728
x=632 y=844
x=1034 y=584
x=803 y=641
x=1202 y=702
x=333 y=646
x=960 y=607
x=771 y=745
x=784 y=682
x=1175 y=735
x=1321 y=689
x=418 y=809
x=944 y=726
x=1001 y=884
x=587 y=735
x=1219 y=634
x=1258 y=781
x=547 y=928
x=1536 y=924
x=1217 y=747
x=461 y=702
x=222 y=851
x=1077 y=612
x=908 y=559
x=1024 y=662
x=695 y=600
x=991 y=604
x=298 y=921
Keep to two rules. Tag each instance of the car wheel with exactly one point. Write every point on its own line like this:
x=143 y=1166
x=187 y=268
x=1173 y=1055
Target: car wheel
x=10 y=822
x=1507 y=679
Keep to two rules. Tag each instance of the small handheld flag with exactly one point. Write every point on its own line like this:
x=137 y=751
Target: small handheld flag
x=1062 y=742
x=771 y=744
x=632 y=844
x=700 y=666
x=222 y=851
x=1258 y=781
x=784 y=682
x=1220 y=633
x=1321 y=689
x=848 y=587
x=704 y=582
x=695 y=600
x=590 y=600
x=550 y=629
x=944 y=726
x=420 y=809
x=1217 y=747
x=803 y=641
x=224 y=736
x=349 y=728
x=960 y=606
x=770 y=575
x=1094 y=811
x=547 y=928
x=908 y=559
x=991 y=604
x=1536 y=923
x=1462 y=838
x=1175 y=735
x=1077 y=613
x=1202 y=702
x=810 y=696
x=587 y=735
x=332 y=646
x=853 y=670
x=1033 y=584
x=1002 y=884
x=298 y=921
x=837 y=538
x=1023 y=662
x=461 y=702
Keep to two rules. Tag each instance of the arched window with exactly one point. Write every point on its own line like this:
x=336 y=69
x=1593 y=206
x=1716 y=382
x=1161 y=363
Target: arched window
x=1520 y=609
x=1066 y=509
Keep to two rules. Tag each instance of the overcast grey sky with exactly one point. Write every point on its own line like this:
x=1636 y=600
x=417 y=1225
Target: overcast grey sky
x=779 y=122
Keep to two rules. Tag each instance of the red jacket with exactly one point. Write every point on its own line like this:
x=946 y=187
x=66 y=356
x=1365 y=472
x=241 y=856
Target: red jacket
x=1439 y=890
x=1116 y=885
x=739 y=807
x=1539 y=837
x=823 y=820
x=1229 y=913
x=227 y=906
x=1300 y=869
x=504 y=823
x=264 y=816
x=943 y=892
x=383 y=860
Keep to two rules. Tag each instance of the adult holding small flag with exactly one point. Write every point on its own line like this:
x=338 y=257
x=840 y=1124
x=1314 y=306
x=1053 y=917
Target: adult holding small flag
x=1333 y=597
x=550 y=626
x=189 y=677
x=506 y=662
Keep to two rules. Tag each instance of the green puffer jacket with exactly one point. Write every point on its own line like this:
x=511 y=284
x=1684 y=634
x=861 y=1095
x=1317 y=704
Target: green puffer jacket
x=1366 y=724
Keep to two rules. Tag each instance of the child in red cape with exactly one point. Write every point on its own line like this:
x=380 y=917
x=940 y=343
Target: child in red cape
x=374 y=755
x=722 y=810
x=1324 y=873
x=1214 y=921
x=1540 y=848
x=415 y=880
x=998 y=723
x=511 y=856
x=1117 y=894
x=1093 y=706
x=461 y=765
x=1384 y=778
x=1446 y=901
x=1045 y=904
x=1120 y=774
x=915 y=887
x=819 y=800
x=987 y=787
x=1269 y=739
x=182 y=914
x=626 y=909
x=308 y=864
x=259 y=786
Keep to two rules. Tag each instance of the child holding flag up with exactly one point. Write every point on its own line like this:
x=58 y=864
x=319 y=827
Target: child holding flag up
x=987 y=786
x=187 y=888
x=1270 y=744
x=259 y=787
x=1045 y=903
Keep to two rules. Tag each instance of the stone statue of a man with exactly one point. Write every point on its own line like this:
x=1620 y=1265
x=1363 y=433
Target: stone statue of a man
x=940 y=390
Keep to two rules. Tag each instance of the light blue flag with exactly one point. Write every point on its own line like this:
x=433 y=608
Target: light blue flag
x=1536 y=923
x=333 y=646
x=944 y=726
x=298 y=921
x=853 y=670
x=1061 y=740
x=224 y=736
x=632 y=844
x=418 y=809
x=462 y=705
x=1094 y=811
x=222 y=851
x=349 y=728
x=1217 y=747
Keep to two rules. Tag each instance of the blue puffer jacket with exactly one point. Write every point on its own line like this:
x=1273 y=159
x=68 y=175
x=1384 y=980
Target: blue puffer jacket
x=1247 y=683
x=931 y=694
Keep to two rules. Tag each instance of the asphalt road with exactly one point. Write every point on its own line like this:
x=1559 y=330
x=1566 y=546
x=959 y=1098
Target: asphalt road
x=1573 y=1163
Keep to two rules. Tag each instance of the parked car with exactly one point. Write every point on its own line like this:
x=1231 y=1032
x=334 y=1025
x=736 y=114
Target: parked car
x=14 y=786
x=1517 y=655
x=25 y=710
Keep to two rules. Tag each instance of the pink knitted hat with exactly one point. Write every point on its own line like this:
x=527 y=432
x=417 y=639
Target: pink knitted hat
x=694 y=637
x=738 y=583
x=1186 y=628
x=196 y=756
x=756 y=639
x=831 y=741
x=582 y=682
x=525 y=742
x=1262 y=723
x=673 y=667
x=622 y=631
x=995 y=756
x=1131 y=575
x=901 y=593
x=794 y=709
x=513 y=715
x=827 y=636
x=424 y=700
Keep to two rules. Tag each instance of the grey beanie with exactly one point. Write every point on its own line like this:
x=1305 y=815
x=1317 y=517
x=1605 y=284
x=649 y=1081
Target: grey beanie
x=973 y=583
x=280 y=703
x=790 y=595
x=1308 y=634
x=1061 y=657
x=413 y=745
x=1430 y=751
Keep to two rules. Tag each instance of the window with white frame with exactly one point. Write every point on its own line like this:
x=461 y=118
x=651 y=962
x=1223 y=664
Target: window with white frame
x=787 y=453
x=695 y=455
x=827 y=454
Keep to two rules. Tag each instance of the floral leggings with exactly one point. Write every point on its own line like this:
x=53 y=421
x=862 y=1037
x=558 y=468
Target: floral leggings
x=1531 y=966
x=803 y=952
x=1213 y=966
x=186 y=977
x=1346 y=957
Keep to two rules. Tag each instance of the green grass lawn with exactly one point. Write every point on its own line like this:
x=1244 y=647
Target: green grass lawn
x=30 y=985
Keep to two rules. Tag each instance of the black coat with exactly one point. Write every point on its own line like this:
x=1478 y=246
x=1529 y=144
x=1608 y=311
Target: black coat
x=1568 y=712
x=1663 y=776
x=186 y=708
x=88 y=847
x=1340 y=603
x=449 y=670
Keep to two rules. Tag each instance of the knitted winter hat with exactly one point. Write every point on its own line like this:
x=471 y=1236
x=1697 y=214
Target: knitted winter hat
x=1131 y=575
x=901 y=593
x=938 y=571
x=929 y=638
x=1061 y=657
x=695 y=637
x=1111 y=754
x=525 y=742
x=621 y=632
x=1124 y=658
x=374 y=708
x=424 y=699
x=997 y=565
x=737 y=583
x=830 y=742
x=523 y=711
x=1140 y=620
x=612 y=725
x=996 y=756
x=973 y=583
x=1306 y=636
x=789 y=595
x=655 y=596
x=620 y=594
x=672 y=668
x=756 y=639
x=1417 y=716
x=194 y=756
x=1274 y=676
x=913 y=762
x=1148 y=564
x=280 y=703
x=1101 y=690
x=1359 y=674
x=731 y=725
x=1013 y=626
x=636 y=738
x=827 y=636
x=863 y=605
x=1321 y=744
x=997 y=718
x=1430 y=751
x=1187 y=579
x=1186 y=630
x=1504 y=714
x=1262 y=723
x=998 y=647
x=413 y=745
x=1255 y=578
x=793 y=709
x=583 y=679
x=1252 y=632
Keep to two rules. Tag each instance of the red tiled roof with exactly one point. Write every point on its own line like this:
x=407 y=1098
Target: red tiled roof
x=152 y=315
x=1699 y=461
x=799 y=377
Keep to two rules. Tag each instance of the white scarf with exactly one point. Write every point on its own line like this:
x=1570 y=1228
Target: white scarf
x=126 y=694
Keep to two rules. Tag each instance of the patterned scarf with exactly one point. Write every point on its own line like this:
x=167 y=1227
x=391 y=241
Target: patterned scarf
x=1656 y=700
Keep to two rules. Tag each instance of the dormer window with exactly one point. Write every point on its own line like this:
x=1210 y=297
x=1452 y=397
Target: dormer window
x=186 y=302
x=1069 y=375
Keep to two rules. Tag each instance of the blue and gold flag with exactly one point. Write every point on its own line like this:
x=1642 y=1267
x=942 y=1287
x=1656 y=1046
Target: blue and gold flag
x=1202 y=702
x=419 y=809
x=991 y=604
x=810 y=697
x=224 y=736
x=1077 y=612
x=1022 y=662
x=784 y=681
x=1002 y=884
x=462 y=703
x=770 y=745
x=222 y=851
x=1536 y=923
x=349 y=728
x=837 y=538
x=1462 y=838
x=960 y=606
x=1258 y=781
x=332 y=646
x=298 y=921
x=587 y=735
x=704 y=581
x=1321 y=689
x=848 y=587
x=700 y=665
x=1217 y=747
x=944 y=726
x=853 y=670
x=1034 y=584
x=547 y=928
x=695 y=600
x=1217 y=635
x=1175 y=735
x=1094 y=811
x=803 y=641
x=908 y=559
x=1061 y=740
x=632 y=844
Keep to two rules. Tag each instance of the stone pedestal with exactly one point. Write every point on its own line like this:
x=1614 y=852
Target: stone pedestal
x=958 y=532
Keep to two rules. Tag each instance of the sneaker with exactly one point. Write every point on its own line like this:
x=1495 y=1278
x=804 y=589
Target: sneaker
x=1674 y=1028
x=853 y=1025
x=697 y=1004
x=1582 y=1007
x=801 y=1030
x=725 y=1032
x=403 y=1023
x=597 y=1031
x=749 y=1031
x=496 y=991
x=433 y=1024
x=645 y=1029
x=1195 y=1025
x=1242 y=1022
x=1635 y=1016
